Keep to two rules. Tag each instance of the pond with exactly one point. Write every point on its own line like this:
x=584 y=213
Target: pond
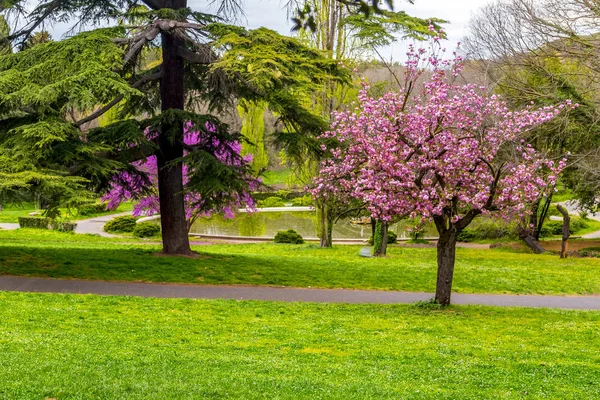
x=267 y=224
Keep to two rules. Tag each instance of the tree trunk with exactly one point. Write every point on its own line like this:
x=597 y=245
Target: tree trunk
x=533 y=219
x=565 y=230
x=526 y=234
x=170 y=177
x=446 y=256
x=380 y=239
x=533 y=244
x=543 y=215
x=325 y=223
x=373 y=227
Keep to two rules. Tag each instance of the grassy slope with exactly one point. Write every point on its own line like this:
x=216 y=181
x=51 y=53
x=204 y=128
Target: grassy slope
x=54 y=254
x=82 y=347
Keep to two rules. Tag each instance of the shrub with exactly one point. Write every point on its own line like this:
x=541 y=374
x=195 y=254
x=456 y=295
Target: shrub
x=555 y=227
x=146 y=229
x=289 y=236
x=90 y=209
x=392 y=238
x=467 y=235
x=63 y=226
x=590 y=252
x=125 y=223
x=303 y=201
x=488 y=229
x=34 y=222
x=273 y=201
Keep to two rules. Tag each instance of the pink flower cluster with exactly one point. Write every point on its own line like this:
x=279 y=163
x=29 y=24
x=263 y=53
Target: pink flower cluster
x=144 y=192
x=436 y=148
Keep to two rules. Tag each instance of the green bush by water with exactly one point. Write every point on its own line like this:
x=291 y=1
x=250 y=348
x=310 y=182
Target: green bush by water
x=273 y=201
x=289 y=236
x=304 y=201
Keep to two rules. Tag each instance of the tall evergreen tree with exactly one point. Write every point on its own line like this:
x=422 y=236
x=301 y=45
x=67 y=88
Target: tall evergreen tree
x=50 y=92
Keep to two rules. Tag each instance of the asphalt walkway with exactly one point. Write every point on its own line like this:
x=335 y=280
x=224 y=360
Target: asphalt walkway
x=95 y=225
x=45 y=285
x=9 y=227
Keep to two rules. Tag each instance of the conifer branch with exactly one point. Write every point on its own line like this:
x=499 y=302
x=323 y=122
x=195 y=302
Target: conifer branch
x=98 y=113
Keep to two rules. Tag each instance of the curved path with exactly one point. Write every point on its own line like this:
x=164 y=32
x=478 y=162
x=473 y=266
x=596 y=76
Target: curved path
x=9 y=227
x=572 y=208
x=94 y=225
x=45 y=285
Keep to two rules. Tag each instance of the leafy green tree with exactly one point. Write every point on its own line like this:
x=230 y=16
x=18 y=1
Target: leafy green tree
x=5 y=45
x=253 y=129
x=544 y=69
x=51 y=92
x=344 y=32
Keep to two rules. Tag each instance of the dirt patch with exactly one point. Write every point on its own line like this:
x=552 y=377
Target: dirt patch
x=574 y=244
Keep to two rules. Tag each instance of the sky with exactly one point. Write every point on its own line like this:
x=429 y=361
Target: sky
x=458 y=12
x=272 y=14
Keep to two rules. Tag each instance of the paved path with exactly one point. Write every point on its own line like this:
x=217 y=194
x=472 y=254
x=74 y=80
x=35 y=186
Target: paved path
x=9 y=227
x=94 y=225
x=573 y=208
x=23 y=284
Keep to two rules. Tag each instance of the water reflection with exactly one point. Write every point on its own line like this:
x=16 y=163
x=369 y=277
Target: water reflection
x=266 y=224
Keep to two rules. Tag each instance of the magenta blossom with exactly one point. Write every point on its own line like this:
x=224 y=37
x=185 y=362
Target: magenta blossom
x=144 y=192
x=436 y=148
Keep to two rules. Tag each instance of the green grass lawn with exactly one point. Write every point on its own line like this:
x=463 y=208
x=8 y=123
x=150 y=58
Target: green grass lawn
x=11 y=212
x=93 y=347
x=62 y=255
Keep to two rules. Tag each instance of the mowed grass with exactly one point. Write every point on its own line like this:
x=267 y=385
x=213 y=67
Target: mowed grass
x=62 y=255
x=83 y=347
x=10 y=213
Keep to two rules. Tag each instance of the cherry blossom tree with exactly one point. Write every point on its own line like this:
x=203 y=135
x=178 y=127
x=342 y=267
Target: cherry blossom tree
x=438 y=150
x=140 y=184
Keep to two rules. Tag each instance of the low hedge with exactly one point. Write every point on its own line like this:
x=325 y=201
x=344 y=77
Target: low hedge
x=46 y=223
x=90 y=209
x=273 y=201
x=34 y=222
x=63 y=226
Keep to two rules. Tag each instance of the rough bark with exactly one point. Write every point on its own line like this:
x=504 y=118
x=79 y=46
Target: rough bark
x=325 y=224
x=446 y=256
x=380 y=239
x=565 y=230
x=170 y=176
x=533 y=244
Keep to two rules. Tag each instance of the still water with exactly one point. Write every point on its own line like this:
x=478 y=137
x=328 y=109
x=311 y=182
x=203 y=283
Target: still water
x=266 y=224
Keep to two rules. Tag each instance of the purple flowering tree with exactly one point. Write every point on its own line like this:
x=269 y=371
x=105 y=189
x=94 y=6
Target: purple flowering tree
x=140 y=183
